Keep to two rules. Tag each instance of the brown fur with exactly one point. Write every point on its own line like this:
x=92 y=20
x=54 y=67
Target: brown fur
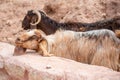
x=97 y=47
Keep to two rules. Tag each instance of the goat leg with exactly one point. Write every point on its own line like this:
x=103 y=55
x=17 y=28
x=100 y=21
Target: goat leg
x=44 y=51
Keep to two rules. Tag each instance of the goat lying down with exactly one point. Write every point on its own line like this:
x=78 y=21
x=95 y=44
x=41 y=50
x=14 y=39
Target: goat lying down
x=97 y=47
x=39 y=20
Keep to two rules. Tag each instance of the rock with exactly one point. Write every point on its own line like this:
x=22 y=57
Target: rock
x=6 y=49
x=36 y=67
x=86 y=11
x=19 y=50
x=1 y=63
x=3 y=75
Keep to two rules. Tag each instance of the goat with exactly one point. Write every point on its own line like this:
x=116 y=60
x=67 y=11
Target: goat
x=97 y=47
x=39 y=20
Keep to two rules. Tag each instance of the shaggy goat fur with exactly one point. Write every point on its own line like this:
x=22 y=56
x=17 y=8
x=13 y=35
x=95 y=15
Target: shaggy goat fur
x=97 y=47
x=50 y=26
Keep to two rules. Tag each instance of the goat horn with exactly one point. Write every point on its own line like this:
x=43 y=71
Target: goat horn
x=39 y=17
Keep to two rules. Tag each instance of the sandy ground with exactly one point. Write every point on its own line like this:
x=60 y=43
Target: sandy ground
x=12 y=13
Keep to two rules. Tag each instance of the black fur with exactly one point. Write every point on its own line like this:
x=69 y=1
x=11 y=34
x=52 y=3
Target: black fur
x=50 y=26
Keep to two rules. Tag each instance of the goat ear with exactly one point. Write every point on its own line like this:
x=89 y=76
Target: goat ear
x=19 y=50
x=33 y=21
x=38 y=33
x=44 y=43
x=43 y=46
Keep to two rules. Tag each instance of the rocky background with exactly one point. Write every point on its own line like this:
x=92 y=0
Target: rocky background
x=34 y=67
x=12 y=13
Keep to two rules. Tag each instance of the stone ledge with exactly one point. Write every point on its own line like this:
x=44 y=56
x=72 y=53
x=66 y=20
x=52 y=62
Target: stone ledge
x=36 y=67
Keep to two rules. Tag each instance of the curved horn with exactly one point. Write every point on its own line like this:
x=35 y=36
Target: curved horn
x=39 y=17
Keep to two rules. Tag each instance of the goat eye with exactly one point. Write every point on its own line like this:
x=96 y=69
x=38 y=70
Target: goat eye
x=34 y=37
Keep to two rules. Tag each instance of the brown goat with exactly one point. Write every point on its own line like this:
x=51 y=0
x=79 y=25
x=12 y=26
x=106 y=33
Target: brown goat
x=39 y=20
x=97 y=47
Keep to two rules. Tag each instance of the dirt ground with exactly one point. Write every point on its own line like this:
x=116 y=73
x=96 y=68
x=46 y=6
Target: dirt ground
x=12 y=13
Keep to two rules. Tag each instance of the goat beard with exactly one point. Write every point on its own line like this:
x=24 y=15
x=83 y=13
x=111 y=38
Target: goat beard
x=19 y=50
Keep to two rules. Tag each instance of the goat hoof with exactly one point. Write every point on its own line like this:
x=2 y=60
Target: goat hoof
x=49 y=55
